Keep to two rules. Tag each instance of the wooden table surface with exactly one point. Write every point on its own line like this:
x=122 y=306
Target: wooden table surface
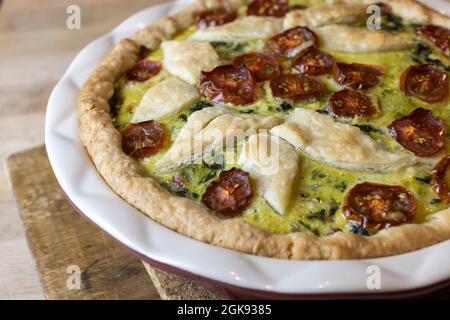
x=36 y=48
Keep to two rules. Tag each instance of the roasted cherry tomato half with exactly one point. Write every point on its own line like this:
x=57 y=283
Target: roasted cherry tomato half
x=272 y=8
x=377 y=206
x=229 y=84
x=231 y=194
x=263 y=67
x=425 y=82
x=297 y=87
x=292 y=41
x=350 y=103
x=357 y=76
x=439 y=177
x=313 y=62
x=437 y=35
x=143 y=140
x=419 y=132
x=215 y=17
x=144 y=70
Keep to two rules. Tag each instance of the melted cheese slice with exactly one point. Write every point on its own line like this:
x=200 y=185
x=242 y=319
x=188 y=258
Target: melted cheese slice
x=273 y=165
x=337 y=144
x=415 y=12
x=320 y=15
x=210 y=129
x=187 y=59
x=359 y=40
x=411 y=11
x=165 y=98
x=248 y=28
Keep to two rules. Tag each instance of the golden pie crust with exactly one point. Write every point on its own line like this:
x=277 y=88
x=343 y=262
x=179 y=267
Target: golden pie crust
x=123 y=173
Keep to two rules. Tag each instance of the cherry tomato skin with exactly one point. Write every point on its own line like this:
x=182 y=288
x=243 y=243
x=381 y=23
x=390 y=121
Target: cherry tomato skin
x=357 y=76
x=297 y=87
x=268 y=8
x=215 y=17
x=289 y=43
x=263 y=67
x=143 y=140
x=350 y=103
x=377 y=206
x=437 y=35
x=313 y=62
x=425 y=82
x=229 y=84
x=231 y=194
x=144 y=70
x=419 y=132
x=439 y=185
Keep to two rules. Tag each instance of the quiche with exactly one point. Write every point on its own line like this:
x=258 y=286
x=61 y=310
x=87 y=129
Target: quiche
x=287 y=129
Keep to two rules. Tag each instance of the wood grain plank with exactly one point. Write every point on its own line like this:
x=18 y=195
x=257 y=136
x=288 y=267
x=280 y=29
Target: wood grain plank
x=175 y=287
x=59 y=237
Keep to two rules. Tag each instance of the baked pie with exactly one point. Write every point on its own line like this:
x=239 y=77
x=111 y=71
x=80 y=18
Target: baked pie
x=288 y=129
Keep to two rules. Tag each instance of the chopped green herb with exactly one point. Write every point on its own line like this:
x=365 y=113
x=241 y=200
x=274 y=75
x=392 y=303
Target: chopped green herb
x=210 y=176
x=367 y=128
x=357 y=229
x=341 y=186
x=318 y=175
x=422 y=54
x=300 y=226
x=334 y=207
x=323 y=111
x=228 y=50
x=114 y=103
x=424 y=180
x=436 y=201
x=391 y=22
x=298 y=7
x=304 y=195
x=188 y=174
x=318 y=215
x=215 y=166
x=200 y=106
x=285 y=106
x=183 y=192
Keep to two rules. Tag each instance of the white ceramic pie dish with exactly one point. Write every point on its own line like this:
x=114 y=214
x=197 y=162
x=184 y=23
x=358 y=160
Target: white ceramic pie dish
x=410 y=273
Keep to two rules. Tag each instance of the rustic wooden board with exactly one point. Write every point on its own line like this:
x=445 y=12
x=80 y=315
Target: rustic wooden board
x=59 y=237
x=174 y=287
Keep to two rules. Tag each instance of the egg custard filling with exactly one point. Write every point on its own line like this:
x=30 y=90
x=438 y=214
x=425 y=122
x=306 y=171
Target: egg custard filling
x=324 y=105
